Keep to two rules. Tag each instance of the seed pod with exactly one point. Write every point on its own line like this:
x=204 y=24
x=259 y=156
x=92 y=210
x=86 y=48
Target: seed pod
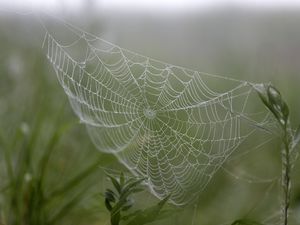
x=277 y=105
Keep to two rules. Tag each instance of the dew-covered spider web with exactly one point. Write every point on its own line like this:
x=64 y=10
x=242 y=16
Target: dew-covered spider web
x=173 y=125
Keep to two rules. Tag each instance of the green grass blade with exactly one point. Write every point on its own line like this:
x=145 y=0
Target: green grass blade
x=66 y=208
x=70 y=185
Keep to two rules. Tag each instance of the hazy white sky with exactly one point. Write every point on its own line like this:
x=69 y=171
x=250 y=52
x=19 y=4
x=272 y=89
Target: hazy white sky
x=146 y=4
x=179 y=4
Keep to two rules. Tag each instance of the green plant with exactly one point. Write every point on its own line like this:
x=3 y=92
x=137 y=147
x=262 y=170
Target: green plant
x=120 y=201
x=290 y=138
x=28 y=197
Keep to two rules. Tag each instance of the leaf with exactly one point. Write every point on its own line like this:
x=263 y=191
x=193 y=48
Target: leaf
x=115 y=183
x=129 y=203
x=53 y=141
x=285 y=111
x=272 y=99
x=275 y=101
x=108 y=205
x=274 y=95
x=296 y=140
x=110 y=195
x=131 y=215
x=122 y=179
x=279 y=107
x=123 y=199
x=115 y=218
x=261 y=90
x=245 y=222
x=148 y=215
x=128 y=188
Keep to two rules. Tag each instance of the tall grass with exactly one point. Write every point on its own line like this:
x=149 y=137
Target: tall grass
x=290 y=138
x=29 y=198
x=50 y=170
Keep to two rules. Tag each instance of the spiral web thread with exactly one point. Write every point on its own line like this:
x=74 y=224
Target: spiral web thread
x=170 y=124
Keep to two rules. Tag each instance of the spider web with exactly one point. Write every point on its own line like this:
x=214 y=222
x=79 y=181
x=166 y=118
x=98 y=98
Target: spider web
x=173 y=125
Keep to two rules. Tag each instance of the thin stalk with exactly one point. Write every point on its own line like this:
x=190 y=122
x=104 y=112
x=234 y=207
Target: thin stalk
x=272 y=99
x=286 y=178
x=7 y=158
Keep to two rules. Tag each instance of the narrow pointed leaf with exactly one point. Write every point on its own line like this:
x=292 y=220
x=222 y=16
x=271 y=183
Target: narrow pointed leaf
x=115 y=183
x=285 y=111
x=274 y=95
x=129 y=186
x=110 y=195
x=297 y=137
x=150 y=214
x=108 y=205
x=261 y=90
x=122 y=179
x=129 y=203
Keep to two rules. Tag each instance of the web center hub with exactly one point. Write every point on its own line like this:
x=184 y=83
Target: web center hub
x=150 y=113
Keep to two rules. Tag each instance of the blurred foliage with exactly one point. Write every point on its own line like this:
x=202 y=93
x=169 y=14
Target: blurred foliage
x=49 y=170
x=273 y=100
x=27 y=198
x=40 y=159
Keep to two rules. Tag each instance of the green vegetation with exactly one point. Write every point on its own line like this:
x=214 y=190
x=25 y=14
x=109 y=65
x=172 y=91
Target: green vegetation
x=50 y=172
x=272 y=99
x=29 y=198
x=121 y=201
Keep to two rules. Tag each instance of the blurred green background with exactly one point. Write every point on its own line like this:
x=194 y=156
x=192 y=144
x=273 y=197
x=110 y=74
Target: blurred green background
x=258 y=46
